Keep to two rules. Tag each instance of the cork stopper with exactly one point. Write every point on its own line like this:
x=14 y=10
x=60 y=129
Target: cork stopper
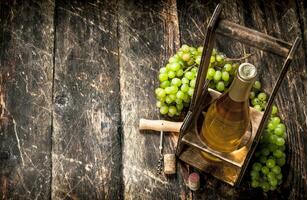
x=169 y=164
x=247 y=71
x=194 y=181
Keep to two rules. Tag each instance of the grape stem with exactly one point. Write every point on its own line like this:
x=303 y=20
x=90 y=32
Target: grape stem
x=241 y=58
x=187 y=69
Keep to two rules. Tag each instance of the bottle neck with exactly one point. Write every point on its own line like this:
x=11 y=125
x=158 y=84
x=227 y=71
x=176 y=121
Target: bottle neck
x=239 y=90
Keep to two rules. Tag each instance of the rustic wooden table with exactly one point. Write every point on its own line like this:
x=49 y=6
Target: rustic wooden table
x=76 y=76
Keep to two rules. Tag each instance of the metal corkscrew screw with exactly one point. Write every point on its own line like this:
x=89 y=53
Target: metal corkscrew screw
x=160 y=162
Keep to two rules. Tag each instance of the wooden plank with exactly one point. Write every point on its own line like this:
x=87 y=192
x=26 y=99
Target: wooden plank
x=26 y=65
x=292 y=107
x=302 y=14
x=284 y=20
x=86 y=150
x=253 y=15
x=149 y=35
x=193 y=20
x=253 y=38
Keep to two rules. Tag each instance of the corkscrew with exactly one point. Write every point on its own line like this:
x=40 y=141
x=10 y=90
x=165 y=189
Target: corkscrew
x=160 y=162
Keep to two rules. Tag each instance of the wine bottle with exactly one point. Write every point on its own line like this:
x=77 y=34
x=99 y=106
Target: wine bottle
x=227 y=118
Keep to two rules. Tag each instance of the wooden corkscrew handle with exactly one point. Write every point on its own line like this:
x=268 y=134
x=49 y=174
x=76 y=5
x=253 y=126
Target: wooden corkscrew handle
x=160 y=125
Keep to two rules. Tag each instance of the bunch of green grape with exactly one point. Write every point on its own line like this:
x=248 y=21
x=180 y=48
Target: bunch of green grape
x=178 y=78
x=270 y=154
x=258 y=99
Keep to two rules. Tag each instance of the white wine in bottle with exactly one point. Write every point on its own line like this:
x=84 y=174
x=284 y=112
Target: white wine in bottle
x=227 y=118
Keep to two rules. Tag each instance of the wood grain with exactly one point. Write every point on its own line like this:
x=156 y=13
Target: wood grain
x=252 y=14
x=148 y=33
x=86 y=152
x=26 y=55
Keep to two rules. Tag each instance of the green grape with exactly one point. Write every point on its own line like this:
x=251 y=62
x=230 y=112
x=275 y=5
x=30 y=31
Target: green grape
x=281 y=161
x=191 y=91
x=179 y=106
x=258 y=107
x=280 y=141
x=168 y=67
x=276 y=169
x=193 y=50
x=171 y=74
x=272 y=147
x=270 y=163
x=176 y=82
x=263 y=105
x=262 y=96
x=211 y=72
x=254 y=174
x=178 y=101
x=219 y=58
x=164 y=110
x=175 y=66
x=184 y=87
x=194 y=70
x=190 y=62
x=214 y=52
x=281 y=126
x=217 y=75
x=163 y=70
x=227 y=67
x=257 y=166
x=168 y=90
x=184 y=80
x=265 y=186
x=225 y=76
x=257 y=85
x=172 y=110
x=185 y=48
x=220 y=86
x=255 y=184
x=265 y=151
x=252 y=95
x=172 y=60
x=271 y=126
x=161 y=94
x=273 y=182
x=158 y=90
x=273 y=139
x=180 y=94
x=198 y=60
x=189 y=75
x=271 y=175
x=192 y=83
x=262 y=159
x=172 y=97
x=278 y=153
x=165 y=84
x=278 y=131
x=274 y=110
x=279 y=176
x=174 y=89
x=212 y=59
x=186 y=98
x=168 y=100
x=179 y=73
x=159 y=104
x=186 y=57
x=255 y=101
x=163 y=77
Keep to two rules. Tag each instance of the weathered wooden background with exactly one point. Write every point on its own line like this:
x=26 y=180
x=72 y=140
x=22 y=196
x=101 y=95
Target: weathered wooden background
x=76 y=76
